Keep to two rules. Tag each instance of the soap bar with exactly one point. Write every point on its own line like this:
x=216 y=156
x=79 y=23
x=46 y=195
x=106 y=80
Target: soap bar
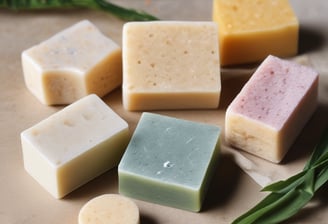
x=272 y=108
x=169 y=161
x=75 y=62
x=251 y=30
x=74 y=145
x=109 y=209
x=170 y=65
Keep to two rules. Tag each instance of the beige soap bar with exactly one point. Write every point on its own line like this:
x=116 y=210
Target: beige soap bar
x=75 y=62
x=250 y=30
x=109 y=209
x=74 y=145
x=272 y=108
x=170 y=65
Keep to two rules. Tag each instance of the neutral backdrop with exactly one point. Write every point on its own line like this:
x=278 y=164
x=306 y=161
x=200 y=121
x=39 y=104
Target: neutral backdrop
x=232 y=191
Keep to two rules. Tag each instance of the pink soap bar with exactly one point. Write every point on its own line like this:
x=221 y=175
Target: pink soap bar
x=272 y=108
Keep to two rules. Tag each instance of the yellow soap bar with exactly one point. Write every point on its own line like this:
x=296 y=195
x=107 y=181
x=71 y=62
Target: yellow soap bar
x=170 y=65
x=73 y=63
x=111 y=209
x=250 y=30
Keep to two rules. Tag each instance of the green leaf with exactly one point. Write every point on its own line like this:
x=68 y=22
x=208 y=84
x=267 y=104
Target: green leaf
x=118 y=11
x=322 y=178
x=320 y=153
x=276 y=207
x=124 y=13
x=286 y=185
x=291 y=195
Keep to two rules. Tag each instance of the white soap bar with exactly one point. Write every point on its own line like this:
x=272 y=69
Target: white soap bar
x=170 y=65
x=75 y=62
x=110 y=209
x=74 y=145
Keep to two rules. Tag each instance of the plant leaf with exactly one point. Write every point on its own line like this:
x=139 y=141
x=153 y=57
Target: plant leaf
x=320 y=152
x=286 y=185
x=292 y=194
x=116 y=10
x=125 y=13
x=276 y=207
x=321 y=179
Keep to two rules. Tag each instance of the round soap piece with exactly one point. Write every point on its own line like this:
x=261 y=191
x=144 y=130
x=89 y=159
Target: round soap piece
x=111 y=209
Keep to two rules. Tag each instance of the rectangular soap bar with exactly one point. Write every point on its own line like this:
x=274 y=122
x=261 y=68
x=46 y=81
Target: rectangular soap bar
x=169 y=161
x=272 y=108
x=251 y=30
x=74 y=145
x=170 y=65
x=75 y=62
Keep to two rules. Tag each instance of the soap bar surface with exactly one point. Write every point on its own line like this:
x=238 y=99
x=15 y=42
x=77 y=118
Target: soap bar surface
x=109 y=209
x=170 y=65
x=75 y=62
x=74 y=145
x=169 y=161
x=272 y=108
x=251 y=30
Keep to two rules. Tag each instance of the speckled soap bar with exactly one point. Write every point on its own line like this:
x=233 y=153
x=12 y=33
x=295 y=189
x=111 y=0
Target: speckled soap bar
x=170 y=65
x=169 y=161
x=272 y=108
x=73 y=63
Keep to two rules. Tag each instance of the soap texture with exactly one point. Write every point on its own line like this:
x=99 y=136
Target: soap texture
x=250 y=30
x=74 y=145
x=170 y=65
x=272 y=108
x=73 y=63
x=169 y=161
x=109 y=209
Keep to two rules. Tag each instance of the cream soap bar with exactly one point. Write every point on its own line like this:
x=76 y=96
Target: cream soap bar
x=169 y=161
x=109 y=209
x=170 y=65
x=272 y=108
x=75 y=62
x=74 y=145
x=251 y=30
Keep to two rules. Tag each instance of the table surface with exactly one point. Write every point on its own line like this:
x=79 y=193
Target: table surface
x=232 y=191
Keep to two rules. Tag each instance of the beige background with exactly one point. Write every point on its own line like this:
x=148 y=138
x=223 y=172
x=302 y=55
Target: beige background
x=232 y=191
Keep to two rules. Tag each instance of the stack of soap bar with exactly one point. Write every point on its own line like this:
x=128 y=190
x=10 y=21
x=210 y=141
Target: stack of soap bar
x=169 y=161
x=109 y=209
x=76 y=62
x=74 y=145
x=251 y=30
x=170 y=65
x=272 y=108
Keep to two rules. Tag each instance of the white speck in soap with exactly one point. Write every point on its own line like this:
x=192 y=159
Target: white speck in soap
x=168 y=164
x=168 y=129
x=189 y=140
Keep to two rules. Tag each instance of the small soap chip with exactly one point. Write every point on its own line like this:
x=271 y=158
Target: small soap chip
x=109 y=209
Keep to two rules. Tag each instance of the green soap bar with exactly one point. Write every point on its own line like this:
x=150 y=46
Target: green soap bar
x=169 y=161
